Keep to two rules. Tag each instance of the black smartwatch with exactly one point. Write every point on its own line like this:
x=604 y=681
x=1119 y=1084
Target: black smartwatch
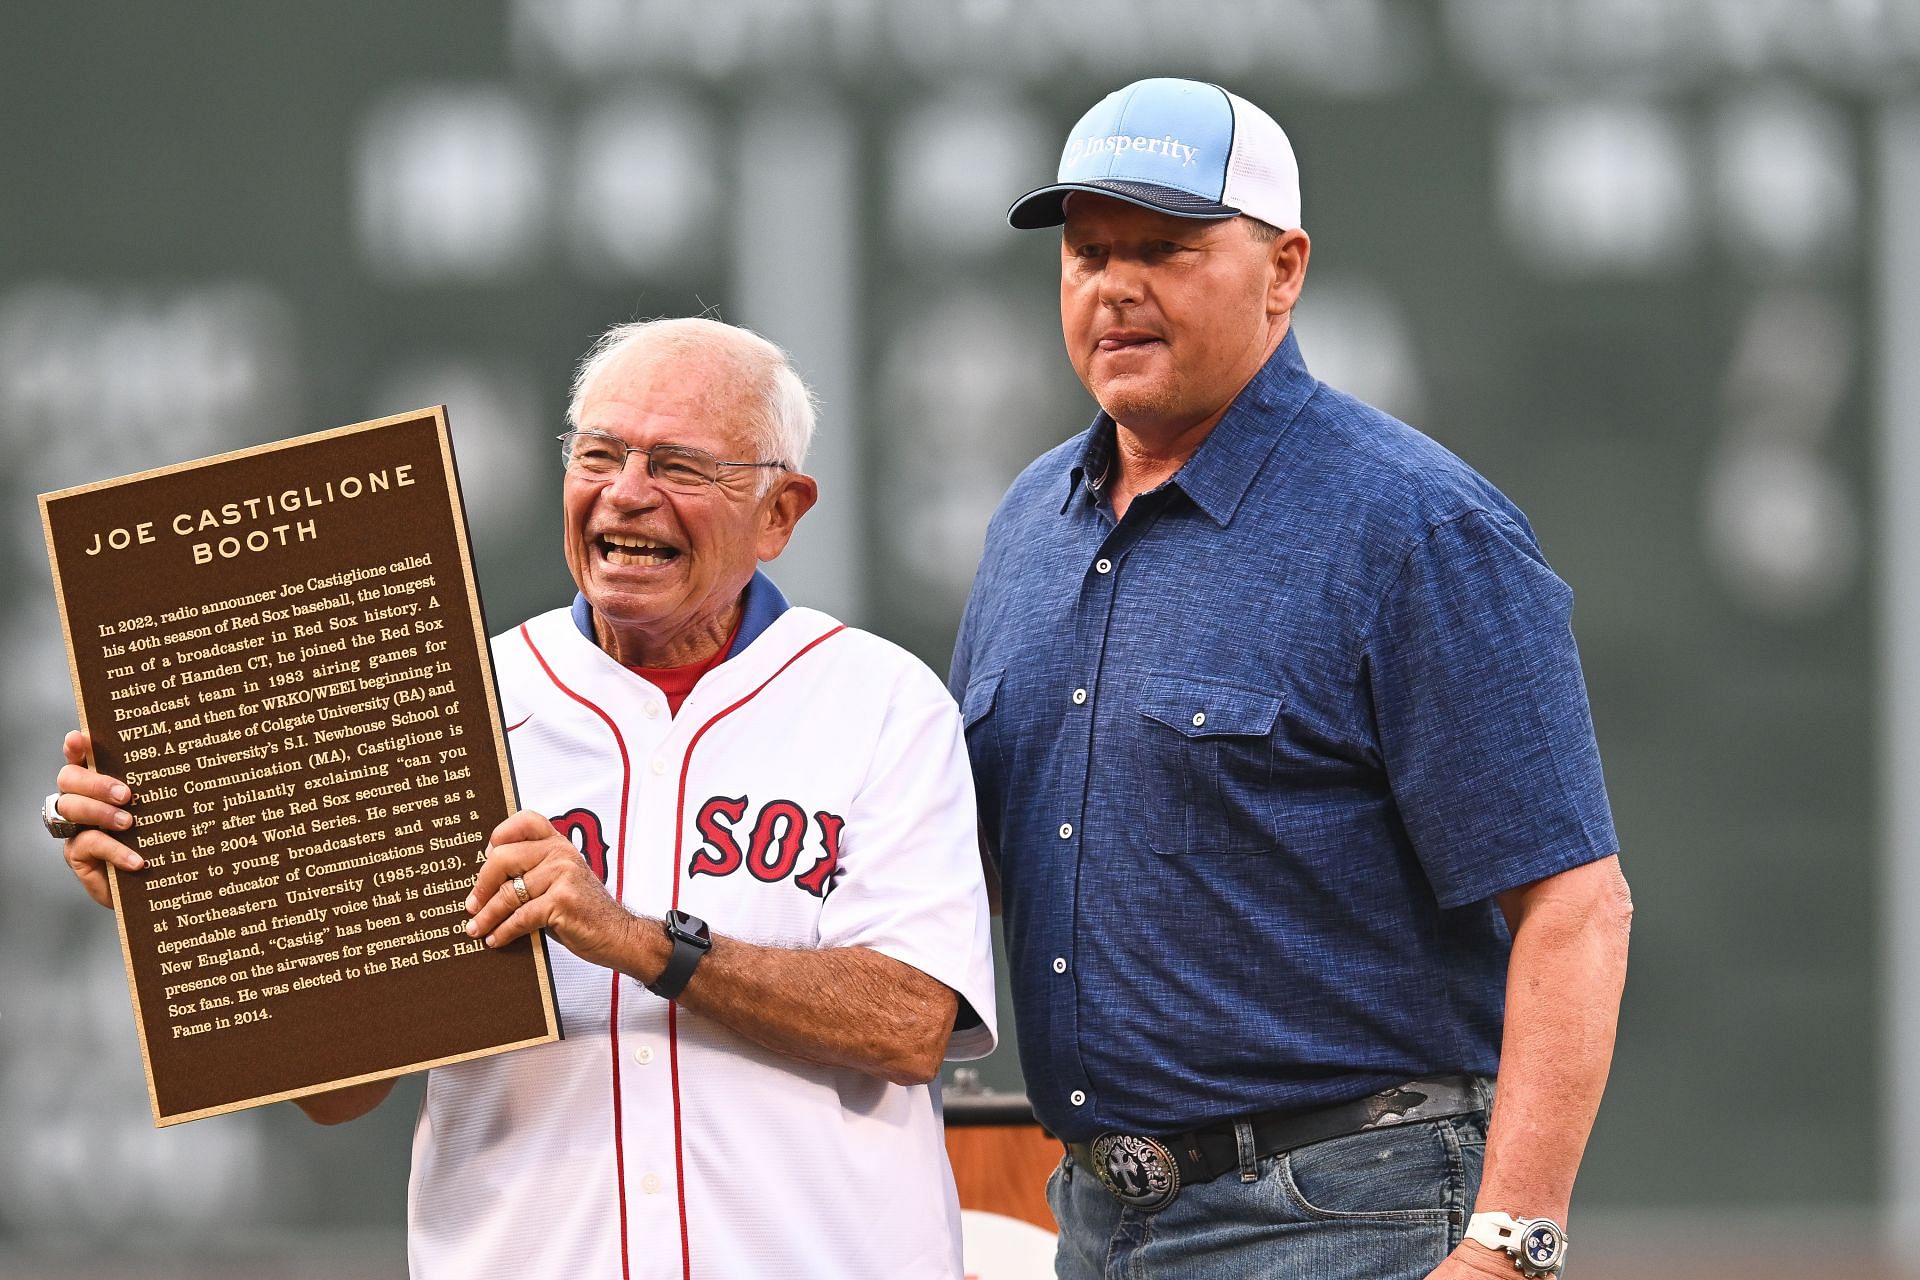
x=691 y=940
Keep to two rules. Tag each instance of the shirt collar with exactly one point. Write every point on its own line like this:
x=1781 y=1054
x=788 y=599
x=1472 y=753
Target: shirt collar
x=1222 y=469
x=760 y=605
x=1095 y=464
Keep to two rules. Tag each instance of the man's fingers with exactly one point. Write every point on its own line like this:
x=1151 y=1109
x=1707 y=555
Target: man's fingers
x=78 y=780
x=76 y=777
x=93 y=880
x=87 y=855
x=517 y=845
x=97 y=847
x=493 y=898
x=93 y=801
x=498 y=914
x=88 y=812
x=524 y=827
x=501 y=917
x=504 y=861
x=523 y=921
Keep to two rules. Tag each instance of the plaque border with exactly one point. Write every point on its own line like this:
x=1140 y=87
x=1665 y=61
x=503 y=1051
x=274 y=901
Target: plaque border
x=504 y=764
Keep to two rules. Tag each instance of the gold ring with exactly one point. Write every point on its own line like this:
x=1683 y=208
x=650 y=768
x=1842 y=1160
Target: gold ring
x=520 y=889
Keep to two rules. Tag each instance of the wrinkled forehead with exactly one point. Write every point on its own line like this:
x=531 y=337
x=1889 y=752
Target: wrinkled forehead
x=651 y=391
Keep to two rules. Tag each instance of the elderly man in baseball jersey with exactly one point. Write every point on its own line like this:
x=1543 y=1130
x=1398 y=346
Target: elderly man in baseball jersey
x=1285 y=767
x=750 y=830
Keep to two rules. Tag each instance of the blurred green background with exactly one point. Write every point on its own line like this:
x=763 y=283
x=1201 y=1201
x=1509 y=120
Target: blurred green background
x=1646 y=266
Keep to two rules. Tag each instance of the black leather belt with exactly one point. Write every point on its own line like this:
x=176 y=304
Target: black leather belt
x=1147 y=1172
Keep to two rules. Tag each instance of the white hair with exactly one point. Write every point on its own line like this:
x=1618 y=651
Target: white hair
x=784 y=426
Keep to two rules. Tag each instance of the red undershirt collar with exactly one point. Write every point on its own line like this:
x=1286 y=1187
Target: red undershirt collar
x=677 y=682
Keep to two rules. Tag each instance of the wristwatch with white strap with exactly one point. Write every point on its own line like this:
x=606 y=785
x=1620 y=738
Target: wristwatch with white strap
x=1538 y=1246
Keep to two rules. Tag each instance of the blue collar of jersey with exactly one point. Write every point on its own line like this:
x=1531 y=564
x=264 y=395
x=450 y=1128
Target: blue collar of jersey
x=761 y=604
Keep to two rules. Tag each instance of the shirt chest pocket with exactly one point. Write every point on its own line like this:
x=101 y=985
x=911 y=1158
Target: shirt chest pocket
x=1207 y=758
x=983 y=746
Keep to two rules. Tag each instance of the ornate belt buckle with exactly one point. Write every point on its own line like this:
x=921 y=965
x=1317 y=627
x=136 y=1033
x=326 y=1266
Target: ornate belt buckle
x=1139 y=1172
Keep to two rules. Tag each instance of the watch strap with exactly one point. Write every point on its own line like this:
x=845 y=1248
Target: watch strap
x=688 y=950
x=1537 y=1246
x=1492 y=1230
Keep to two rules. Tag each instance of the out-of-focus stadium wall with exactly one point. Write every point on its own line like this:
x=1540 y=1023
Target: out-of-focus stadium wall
x=1639 y=263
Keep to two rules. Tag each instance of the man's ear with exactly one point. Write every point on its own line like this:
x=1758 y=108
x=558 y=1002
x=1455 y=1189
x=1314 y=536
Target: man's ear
x=1288 y=253
x=781 y=510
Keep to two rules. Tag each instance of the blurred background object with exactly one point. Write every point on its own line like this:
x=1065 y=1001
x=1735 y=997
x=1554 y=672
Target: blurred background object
x=1652 y=268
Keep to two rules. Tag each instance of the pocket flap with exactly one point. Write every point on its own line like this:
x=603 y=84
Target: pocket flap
x=979 y=697
x=1202 y=708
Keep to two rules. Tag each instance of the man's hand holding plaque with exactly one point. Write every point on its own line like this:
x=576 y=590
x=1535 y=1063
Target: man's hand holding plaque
x=290 y=757
x=95 y=804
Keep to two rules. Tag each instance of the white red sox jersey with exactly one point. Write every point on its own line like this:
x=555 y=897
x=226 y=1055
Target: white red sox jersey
x=813 y=791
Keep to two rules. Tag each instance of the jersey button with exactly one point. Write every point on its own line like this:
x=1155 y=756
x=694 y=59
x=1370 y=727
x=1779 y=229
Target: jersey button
x=1078 y=1098
x=1059 y=964
x=659 y=764
x=1066 y=831
x=643 y=1055
x=653 y=711
x=650 y=1183
x=1079 y=696
x=1103 y=565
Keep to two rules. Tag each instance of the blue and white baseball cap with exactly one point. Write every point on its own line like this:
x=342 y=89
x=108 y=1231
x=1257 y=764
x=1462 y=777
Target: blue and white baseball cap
x=1180 y=146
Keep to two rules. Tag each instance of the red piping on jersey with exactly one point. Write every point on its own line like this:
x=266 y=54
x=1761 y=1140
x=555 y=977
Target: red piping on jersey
x=673 y=1007
x=613 y=999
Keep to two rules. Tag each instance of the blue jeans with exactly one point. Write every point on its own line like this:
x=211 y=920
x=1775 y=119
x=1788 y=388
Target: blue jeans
x=1386 y=1204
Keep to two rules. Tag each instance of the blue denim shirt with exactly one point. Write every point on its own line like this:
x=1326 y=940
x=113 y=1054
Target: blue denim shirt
x=1254 y=760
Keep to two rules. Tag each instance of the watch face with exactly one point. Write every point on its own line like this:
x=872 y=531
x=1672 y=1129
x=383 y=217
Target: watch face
x=692 y=928
x=1543 y=1246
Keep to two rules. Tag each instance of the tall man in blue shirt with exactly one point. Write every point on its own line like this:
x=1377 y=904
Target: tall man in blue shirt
x=1285 y=767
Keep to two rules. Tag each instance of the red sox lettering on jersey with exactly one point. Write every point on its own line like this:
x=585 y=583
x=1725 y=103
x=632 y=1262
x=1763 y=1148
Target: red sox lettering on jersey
x=773 y=849
x=813 y=791
x=583 y=827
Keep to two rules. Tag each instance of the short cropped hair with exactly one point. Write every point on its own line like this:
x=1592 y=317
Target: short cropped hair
x=783 y=429
x=1262 y=232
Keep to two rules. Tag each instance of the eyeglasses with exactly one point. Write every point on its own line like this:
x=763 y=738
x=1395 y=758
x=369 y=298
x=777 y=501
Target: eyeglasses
x=595 y=455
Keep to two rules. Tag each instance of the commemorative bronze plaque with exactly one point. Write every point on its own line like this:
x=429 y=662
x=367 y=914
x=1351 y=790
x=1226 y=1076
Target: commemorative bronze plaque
x=281 y=651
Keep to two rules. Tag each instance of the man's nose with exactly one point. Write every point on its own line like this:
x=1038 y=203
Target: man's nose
x=1122 y=281
x=635 y=485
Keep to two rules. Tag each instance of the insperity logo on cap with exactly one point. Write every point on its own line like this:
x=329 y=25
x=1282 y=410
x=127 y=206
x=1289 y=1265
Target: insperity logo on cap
x=1180 y=146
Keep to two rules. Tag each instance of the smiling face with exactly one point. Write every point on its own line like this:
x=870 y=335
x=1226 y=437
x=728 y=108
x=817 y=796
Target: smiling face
x=1167 y=318
x=664 y=570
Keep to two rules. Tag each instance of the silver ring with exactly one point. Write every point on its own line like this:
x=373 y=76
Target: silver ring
x=519 y=884
x=57 y=827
